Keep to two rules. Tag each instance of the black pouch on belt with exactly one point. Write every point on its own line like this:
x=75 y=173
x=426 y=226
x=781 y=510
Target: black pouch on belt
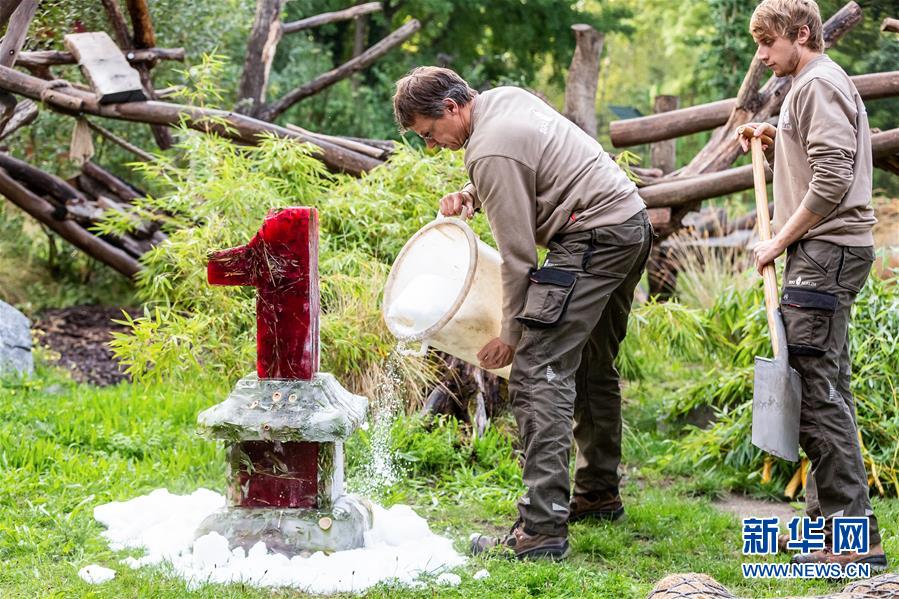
x=548 y=296
x=807 y=315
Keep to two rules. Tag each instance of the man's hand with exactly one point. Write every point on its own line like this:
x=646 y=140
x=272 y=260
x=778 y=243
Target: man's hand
x=456 y=203
x=757 y=130
x=496 y=354
x=766 y=251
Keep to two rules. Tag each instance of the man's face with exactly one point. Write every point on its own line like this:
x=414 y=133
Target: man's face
x=779 y=53
x=446 y=131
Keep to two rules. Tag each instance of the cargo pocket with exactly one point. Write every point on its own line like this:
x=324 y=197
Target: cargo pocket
x=548 y=297
x=854 y=268
x=807 y=316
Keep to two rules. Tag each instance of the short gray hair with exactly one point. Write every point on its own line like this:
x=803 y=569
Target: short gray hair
x=422 y=90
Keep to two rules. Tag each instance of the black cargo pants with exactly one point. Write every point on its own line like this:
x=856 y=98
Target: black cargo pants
x=821 y=281
x=574 y=319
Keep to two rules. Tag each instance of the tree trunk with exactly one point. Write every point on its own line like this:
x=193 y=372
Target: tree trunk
x=7 y=8
x=22 y=116
x=663 y=153
x=144 y=35
x=331 y=17
x=115 y=185
x=257 y=65
x=44 y=58
x=274 y=110
x=70 y=100
x=583 y=77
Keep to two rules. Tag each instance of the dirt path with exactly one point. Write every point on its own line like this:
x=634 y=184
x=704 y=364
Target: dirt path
x=79 y=336
x=749 y=507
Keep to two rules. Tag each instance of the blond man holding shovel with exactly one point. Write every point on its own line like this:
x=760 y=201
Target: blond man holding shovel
x=542 y=181
x=821 y=157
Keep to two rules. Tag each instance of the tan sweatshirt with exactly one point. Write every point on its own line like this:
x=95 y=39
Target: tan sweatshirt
x=822 y=156
x=536 y=174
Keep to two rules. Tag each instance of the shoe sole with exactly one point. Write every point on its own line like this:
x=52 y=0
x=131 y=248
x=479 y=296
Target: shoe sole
x=598 y=515
x=553 y=553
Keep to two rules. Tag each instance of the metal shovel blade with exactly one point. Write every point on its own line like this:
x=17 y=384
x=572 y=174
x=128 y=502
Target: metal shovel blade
x=776 y=400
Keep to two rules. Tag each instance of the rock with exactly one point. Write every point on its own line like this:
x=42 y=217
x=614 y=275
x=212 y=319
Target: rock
x=15 y=341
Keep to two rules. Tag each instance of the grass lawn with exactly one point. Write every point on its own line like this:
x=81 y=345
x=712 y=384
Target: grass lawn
x=65 y=448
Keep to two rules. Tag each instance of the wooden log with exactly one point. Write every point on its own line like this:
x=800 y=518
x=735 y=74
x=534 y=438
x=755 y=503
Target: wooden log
x=105 y=68
x=43 y=211
x=676 y=192
x=39 y=180
x=263 y=42
x=663 y=153
x=22 y=116
x=331 y=17
x=144 y=35
x=388 y=145
x=230 y=125
x=12 y=43
x=119 y=26
x=583 y=78
x=355 y=146
x=49 y=58
x=890 y=24
x=113 y=183
x=722 y=149
x=325 y=80
x=7 y=8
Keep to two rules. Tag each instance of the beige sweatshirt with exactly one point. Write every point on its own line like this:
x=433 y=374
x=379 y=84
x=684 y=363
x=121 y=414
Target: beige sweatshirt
x=822 y=156
x=536 y=174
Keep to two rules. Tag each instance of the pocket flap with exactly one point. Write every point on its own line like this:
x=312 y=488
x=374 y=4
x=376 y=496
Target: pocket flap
x=552 y=276
x=804 y=298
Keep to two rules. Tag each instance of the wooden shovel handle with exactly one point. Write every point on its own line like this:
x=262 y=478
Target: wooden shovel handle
x=764 y=222
x=749 y=132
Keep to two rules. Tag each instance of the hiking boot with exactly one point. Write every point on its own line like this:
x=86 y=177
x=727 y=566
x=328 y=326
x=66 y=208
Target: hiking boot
x=602 y=506
x=876 y=558
x=782 y=540
x=522 y=543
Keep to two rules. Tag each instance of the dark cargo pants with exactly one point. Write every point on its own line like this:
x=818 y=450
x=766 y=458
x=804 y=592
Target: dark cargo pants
x=575 y=318
x=821 y=281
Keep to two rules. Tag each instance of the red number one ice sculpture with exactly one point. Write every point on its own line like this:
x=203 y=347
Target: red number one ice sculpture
x=281 y=262
x=284 y=427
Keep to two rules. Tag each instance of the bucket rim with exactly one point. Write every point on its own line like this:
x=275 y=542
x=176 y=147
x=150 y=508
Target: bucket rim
x=472 y=240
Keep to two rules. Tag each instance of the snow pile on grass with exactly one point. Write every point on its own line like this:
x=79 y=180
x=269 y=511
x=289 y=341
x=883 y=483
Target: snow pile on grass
x=398 y=549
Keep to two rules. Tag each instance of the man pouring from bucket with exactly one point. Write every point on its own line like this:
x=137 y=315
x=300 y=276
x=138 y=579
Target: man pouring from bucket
x=823 y=219
x=542 y=181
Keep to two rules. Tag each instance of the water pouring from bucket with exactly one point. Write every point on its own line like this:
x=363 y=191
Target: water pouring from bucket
x=444 y=290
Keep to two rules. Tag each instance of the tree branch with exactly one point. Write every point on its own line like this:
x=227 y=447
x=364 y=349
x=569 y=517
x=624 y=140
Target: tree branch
x=331 y=17
x=274 y=110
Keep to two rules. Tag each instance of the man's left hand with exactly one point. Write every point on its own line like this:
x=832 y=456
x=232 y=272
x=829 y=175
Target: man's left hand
x=766 y=251
x=496 y=354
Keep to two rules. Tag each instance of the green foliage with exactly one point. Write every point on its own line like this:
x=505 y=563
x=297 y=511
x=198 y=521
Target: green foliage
x=722 y=341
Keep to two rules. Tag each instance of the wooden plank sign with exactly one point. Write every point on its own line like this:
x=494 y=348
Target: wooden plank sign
x=105 y=67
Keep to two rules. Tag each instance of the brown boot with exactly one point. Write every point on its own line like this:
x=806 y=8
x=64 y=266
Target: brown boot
x=602 y=506
x=876 y=558
x=523 y=544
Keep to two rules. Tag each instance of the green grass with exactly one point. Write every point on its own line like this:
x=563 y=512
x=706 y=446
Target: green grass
x=65 y=448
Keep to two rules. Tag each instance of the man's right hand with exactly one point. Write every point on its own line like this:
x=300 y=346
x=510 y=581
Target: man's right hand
x=755 y=130
x=457 y=203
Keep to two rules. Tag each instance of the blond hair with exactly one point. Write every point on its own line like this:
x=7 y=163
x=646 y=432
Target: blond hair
x=422 y=92
x=784 y=18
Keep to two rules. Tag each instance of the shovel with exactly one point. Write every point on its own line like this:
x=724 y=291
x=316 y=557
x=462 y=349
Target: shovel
x=777 y=388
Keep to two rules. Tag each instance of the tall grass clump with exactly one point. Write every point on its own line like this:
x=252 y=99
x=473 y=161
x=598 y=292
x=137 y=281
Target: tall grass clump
x=216 y=197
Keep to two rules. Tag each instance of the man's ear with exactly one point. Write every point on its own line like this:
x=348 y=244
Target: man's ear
x=450 y=106
x=803 y=35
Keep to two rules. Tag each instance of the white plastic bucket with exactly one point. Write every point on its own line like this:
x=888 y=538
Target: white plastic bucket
x=445 y=290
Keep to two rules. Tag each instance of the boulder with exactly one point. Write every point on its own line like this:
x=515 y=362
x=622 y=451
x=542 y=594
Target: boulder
x=15 y=341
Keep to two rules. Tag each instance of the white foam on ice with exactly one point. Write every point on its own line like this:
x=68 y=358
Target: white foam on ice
x=398 y=549
x=95 y=574
x=422 y=303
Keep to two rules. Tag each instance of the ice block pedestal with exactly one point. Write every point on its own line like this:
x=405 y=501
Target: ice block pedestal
x=285 y=425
